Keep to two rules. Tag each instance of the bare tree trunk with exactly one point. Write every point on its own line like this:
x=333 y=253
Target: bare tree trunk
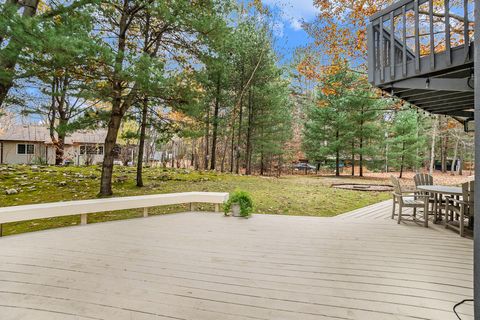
x=215 y=126
x=240 y=118
x=460 y=165
x=224 y=153
x=60 y=149
x=58 y=115
x=207 y=138
x=361 y=146
x=173 y=155
x=141 y=143
x=192 y=158
x=232 y=147
x=196 y=159
x=119 y=107
x=402 y=160
x=280 y=164
x=432 y=148
x=353 y=158
x=444 y=153
x=262 y=164
x=454 y=160
x=337 y=157
x=109 y=153
x=248 y=166
x=239 y=137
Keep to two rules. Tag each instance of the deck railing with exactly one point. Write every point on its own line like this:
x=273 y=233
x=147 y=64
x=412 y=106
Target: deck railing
x=413 y=37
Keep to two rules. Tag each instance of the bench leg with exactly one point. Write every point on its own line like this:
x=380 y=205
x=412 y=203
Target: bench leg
x=462 y=221
x=393 y=207
x=217 y=207
x=83 y=219
x=425 y=214
x=192 y=206
x=145 y=212
x=399 y=213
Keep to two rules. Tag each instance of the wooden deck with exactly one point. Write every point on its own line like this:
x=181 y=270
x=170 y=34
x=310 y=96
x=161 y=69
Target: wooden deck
x=195 y=266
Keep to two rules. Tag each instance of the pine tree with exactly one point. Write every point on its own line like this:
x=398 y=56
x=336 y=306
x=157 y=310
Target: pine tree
x=134 y=69
x=406 y=140
x=329 y=131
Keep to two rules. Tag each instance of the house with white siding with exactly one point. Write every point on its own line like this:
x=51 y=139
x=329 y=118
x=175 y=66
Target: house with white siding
x=33 y=145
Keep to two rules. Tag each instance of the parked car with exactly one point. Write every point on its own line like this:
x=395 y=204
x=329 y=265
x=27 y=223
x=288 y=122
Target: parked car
x=304 y=166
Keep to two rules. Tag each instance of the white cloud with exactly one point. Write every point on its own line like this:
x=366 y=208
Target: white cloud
x=294 y=12
x=296 y=24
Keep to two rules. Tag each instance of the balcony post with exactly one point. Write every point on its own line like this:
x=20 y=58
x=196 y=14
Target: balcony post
x=476 y=250
x=417 y=36
x=371 y=53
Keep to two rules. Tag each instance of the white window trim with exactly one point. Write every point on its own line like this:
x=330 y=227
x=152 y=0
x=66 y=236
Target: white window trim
x=97 y=148
x=26 y=148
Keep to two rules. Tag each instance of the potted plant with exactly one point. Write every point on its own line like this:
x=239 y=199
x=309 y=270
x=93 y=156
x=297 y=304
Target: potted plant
x=240 y=203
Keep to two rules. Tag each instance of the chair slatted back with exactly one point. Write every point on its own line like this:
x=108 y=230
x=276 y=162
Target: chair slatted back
x=396 y=185
x=397 y=188
x=468 y=190
x=423 y=179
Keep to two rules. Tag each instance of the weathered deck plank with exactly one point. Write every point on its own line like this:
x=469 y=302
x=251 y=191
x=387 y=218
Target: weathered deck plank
x=360 y=265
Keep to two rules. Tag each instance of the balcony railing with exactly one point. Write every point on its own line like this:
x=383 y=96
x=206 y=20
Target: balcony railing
x=418 y=37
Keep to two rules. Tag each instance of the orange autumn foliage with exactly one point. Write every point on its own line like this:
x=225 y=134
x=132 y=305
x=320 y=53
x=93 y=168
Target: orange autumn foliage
x=340 y=28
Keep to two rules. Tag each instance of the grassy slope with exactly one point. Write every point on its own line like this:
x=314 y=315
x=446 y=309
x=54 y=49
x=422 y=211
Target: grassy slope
x=296 y=195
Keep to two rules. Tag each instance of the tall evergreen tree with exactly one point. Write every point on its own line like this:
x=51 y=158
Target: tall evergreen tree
x=406 y=141
x=132 y=69
x=328 y=132
x=22 y=26
x=60 y=68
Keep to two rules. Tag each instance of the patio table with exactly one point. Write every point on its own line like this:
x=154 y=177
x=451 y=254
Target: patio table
x=437 y=191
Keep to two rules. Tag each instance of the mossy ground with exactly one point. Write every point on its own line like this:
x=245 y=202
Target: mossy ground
x=289 y=195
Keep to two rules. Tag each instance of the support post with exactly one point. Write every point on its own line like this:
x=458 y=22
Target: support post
x=372 y=53
x=476 y=250
x=217 y=207
x=193 y=207
x=417 y=36
x=83 y=219
x=145 y=212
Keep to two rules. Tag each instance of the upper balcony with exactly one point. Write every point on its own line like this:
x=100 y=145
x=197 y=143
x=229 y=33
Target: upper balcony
x=422 y=52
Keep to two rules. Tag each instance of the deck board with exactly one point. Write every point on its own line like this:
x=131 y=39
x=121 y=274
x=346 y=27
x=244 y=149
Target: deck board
x=195 y=266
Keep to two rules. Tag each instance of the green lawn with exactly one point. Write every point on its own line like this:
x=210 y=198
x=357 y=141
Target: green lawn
x=291 y=195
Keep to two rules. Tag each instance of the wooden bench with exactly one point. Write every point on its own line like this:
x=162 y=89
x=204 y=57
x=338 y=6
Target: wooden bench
x=84 y=207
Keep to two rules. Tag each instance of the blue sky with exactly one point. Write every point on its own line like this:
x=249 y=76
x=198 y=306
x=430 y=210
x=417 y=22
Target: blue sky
x=289 y=16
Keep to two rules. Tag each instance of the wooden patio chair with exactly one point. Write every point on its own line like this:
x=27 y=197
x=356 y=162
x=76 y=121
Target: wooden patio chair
x=424 y=179
x=458 y=210
x=408 y=199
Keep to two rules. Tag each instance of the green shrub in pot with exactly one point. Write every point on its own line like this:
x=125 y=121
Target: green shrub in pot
x=241 y=200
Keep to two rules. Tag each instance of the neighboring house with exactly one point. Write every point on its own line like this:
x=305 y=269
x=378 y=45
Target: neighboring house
x=32 y=144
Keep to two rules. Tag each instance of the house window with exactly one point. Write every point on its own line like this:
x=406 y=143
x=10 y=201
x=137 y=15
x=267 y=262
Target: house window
x=23 y=148
x=91 y=150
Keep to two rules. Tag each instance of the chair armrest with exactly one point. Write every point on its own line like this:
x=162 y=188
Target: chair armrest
x=408 y=193
x=411 y=194
x=458 y=201
x=422 y=191
x=422 y=196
